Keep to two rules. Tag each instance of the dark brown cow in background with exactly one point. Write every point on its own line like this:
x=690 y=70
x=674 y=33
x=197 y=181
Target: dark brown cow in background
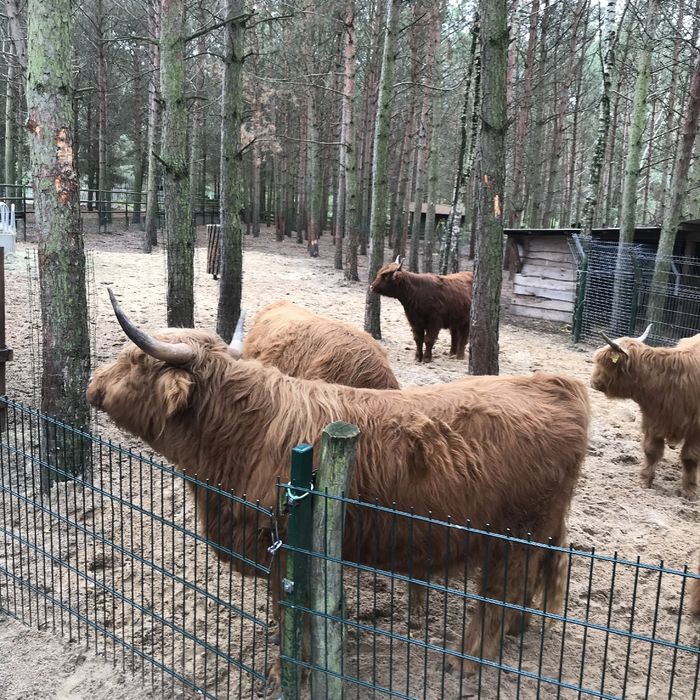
x=665 y=383
x=308 y=346
x=500 y=450
x=431 y=302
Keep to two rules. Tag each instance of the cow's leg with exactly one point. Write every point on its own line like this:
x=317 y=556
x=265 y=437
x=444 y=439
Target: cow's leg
x=418 y=334
x=690 y=454
x=653 y=451
x=454 y=342
x=463 y=338
x=431 y=335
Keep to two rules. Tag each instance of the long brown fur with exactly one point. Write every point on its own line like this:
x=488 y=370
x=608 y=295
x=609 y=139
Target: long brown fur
x=502 y=451
x=665 y=383
x=431 y=302
x=305 y=345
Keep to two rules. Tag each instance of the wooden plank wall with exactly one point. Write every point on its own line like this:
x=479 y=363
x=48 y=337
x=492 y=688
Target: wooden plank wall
x=545 y=287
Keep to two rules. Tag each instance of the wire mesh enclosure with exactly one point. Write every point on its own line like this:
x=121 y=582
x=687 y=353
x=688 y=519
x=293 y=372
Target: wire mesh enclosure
x=115 y=560
x=615 y=293
x=131 y=561
x=536 y=620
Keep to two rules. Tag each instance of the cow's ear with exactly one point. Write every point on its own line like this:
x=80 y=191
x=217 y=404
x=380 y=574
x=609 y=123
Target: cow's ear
x=174 y=389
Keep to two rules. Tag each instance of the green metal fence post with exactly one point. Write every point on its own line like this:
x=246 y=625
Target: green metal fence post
x=337 y=463
x=295 y=586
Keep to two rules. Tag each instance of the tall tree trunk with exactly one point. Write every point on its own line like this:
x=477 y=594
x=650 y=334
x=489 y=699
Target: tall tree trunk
x=517 y=205
x=176 y=180
x=434 y=155
x=138 y=140
x=421 y=158
x=679 y=183
x=671 y=117
x=454 y=224
x=349 y=180
x=10 y=129
x=628 y=215
x=486 y=304
x=16 y=33
x=603 y=121
x=65 y=338
x=104 y=206
x=379 y=170
x=231 y=286
x=150 y=236
x=198 y=109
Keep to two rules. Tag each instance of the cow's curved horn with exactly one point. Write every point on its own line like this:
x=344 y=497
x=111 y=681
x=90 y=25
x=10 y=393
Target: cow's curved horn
x=613 y=344
x=170 y=353
x=398 y=261
x=236 y=346
x=645 y=335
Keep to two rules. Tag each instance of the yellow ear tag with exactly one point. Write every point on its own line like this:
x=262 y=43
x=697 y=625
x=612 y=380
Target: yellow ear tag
x=616 y=358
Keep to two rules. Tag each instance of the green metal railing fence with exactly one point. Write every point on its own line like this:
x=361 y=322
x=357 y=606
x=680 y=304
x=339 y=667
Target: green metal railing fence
x=119 y=560
x=116 y=562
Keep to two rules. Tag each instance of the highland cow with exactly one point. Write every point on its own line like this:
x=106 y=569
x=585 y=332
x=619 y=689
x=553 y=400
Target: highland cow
x=431 y=302
x=695 y=594
x=502 y=451
x=665 y=383
x=305 y=345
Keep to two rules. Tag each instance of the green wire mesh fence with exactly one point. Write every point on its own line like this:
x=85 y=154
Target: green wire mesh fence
x=615 y=293
x=117 y=562
x=131 y=561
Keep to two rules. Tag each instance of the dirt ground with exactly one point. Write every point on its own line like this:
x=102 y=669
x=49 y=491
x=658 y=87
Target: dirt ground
x=610 y=511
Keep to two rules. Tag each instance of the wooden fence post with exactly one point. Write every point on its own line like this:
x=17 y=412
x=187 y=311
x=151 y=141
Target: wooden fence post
x=337 y=463
x=295 y=586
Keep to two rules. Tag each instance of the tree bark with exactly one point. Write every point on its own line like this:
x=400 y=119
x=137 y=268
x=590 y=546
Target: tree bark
x=349 y=144
x=628 y=214
x=231 y=286
x=65 y=338
x=150 y=236
x=198 y=108
x=10 y=129
x=104 y=206
x=486 y=304
x=138 y=140
x=379 y=169
x=176 y=180
x=679 y=183
x=603 y=121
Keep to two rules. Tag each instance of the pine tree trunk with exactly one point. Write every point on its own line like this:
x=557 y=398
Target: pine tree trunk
x=603 y=121
x=628 y=215
x=421 y=158
x=138 y=142
x=255 y=197
x=454 y=225
x=231 y=198
x=197 y=134
x=679 y=183
x=104 y=206
x=378 y=209
x=10 y=129
x=150 y=236
x=176 y=179
x=486 y=304
x=349 y=175
x=65 y=338
x=516 y=201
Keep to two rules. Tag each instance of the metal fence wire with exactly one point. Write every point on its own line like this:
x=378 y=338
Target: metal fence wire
x=119 y=562
x=598 y=270
x=115 y=561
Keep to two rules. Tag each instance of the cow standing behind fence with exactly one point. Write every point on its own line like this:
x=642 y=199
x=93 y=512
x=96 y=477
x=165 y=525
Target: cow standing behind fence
x=431 y=302
x=665 y=383
x=305 y=345
x=502 y=451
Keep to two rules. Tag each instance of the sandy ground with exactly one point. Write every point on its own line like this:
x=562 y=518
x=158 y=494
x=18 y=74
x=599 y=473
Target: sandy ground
x=610 y=512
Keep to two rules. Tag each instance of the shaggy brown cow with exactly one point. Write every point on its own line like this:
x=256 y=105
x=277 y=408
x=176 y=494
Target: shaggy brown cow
x=695 y=594
x=305 y=345
x=665 y=383
x=431 y=302
x=500 y=450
